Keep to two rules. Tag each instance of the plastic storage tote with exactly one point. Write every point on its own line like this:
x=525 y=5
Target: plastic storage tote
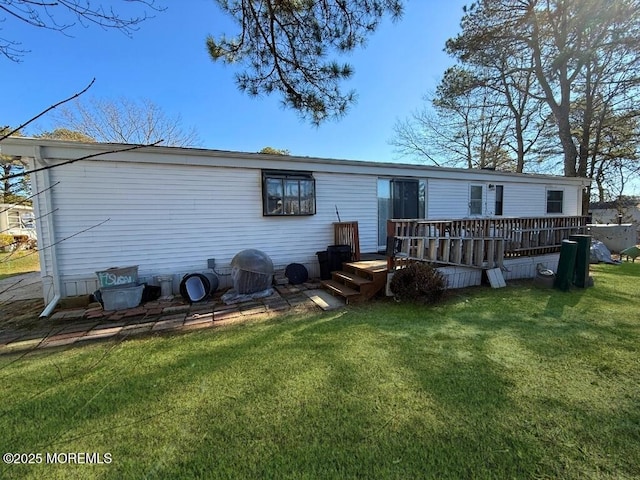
x=121 y=298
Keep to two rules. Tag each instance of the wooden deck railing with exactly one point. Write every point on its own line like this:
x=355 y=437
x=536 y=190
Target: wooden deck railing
x=481 y=243
x=470 y=252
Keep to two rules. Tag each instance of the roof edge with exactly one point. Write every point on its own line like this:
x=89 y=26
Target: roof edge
x=24 y=146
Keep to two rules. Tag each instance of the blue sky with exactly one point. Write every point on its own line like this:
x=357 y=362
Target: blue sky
x=166 y=61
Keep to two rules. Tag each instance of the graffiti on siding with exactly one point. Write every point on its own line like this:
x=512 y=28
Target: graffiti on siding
x=110 y=279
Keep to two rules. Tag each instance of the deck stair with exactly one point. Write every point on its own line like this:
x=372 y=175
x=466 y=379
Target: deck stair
x=358 y=281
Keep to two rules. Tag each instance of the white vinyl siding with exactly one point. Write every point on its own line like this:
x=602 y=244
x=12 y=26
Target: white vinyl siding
x=162 y=218
x=172 y=218
x=169 y=210
x=169 y=219
x=450 y=199
x=523 y=200
x=447 y=199
x=356 y=198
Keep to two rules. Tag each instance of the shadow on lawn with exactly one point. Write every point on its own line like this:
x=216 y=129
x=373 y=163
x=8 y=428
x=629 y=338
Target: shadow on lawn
x=320 y=397
x=348 y=406
x=233 y=411
x=75 y=407
x=387 y=410
x=382 y=390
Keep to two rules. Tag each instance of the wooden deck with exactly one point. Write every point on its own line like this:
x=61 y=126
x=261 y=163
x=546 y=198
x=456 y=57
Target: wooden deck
x=479 y=243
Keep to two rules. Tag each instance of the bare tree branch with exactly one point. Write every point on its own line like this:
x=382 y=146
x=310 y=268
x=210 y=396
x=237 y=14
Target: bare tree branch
x=63 y=15
x=52 y=107
x=26 y=199
x=73 y=160
x=123 y=120
x=61 y=240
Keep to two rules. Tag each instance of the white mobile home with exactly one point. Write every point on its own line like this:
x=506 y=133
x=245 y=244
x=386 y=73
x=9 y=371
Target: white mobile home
x=169 y=210
x=17 y=221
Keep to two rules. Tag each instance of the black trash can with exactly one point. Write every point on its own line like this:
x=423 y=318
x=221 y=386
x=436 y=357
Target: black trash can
x=323 y=260
x=337 y=255
x=583 y=255
x=195 y=287
x=566 y=265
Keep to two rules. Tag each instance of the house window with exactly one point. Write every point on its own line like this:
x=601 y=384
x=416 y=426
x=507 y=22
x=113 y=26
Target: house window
x=554 y=201
x=286 y=193
x=499 y=199
x=475 y=200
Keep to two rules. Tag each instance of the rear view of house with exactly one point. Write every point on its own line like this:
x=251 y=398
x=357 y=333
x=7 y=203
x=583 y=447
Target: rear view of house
x=170 y=210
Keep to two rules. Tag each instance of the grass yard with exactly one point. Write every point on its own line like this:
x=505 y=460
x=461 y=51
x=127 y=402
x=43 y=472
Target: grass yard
x=511 y=383
x=22 y=261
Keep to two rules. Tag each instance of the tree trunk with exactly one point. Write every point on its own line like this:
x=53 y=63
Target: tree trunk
x=562 y=112
x=562 y=108
x=587 y=118
x=520 y=140
x=6 y=184
x=568 y=147
x=586 y=200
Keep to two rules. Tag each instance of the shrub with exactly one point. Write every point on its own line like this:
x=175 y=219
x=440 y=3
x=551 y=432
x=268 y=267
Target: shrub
x=418 y=281
x=6 y=241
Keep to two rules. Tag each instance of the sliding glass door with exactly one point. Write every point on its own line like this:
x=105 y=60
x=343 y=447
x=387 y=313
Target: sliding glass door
x=399 y=198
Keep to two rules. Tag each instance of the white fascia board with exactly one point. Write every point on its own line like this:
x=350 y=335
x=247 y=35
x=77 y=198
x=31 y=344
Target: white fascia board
x=56 y=150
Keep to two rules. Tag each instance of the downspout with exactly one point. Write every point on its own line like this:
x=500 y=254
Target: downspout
x=46 y=180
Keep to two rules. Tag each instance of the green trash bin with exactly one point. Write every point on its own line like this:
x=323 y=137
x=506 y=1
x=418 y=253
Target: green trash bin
x=583 y=255
x=566 y=265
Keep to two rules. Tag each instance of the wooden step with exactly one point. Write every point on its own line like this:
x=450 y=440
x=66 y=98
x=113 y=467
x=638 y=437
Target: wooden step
x=366 y=269
x=358 y=281
x=340 y=288
x=348 y=277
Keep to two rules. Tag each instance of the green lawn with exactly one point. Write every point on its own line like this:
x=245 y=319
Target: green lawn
x=18 y=262
x=509 y=383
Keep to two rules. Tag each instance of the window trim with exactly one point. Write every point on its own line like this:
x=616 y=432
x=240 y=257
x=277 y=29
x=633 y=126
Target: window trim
x=287 y=176
x=555 y=202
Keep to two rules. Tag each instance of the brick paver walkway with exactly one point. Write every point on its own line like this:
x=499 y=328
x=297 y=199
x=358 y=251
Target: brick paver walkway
x=66 y=327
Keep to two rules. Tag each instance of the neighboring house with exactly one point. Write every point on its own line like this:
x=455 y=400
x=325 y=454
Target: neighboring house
x=170 y=209
x=17 y=221
x=607 y=212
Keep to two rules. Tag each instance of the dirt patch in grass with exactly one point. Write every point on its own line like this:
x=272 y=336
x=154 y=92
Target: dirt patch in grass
x=21 y=300
x=20 y=313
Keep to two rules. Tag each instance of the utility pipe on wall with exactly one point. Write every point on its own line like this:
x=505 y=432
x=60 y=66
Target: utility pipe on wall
x=46 y=192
